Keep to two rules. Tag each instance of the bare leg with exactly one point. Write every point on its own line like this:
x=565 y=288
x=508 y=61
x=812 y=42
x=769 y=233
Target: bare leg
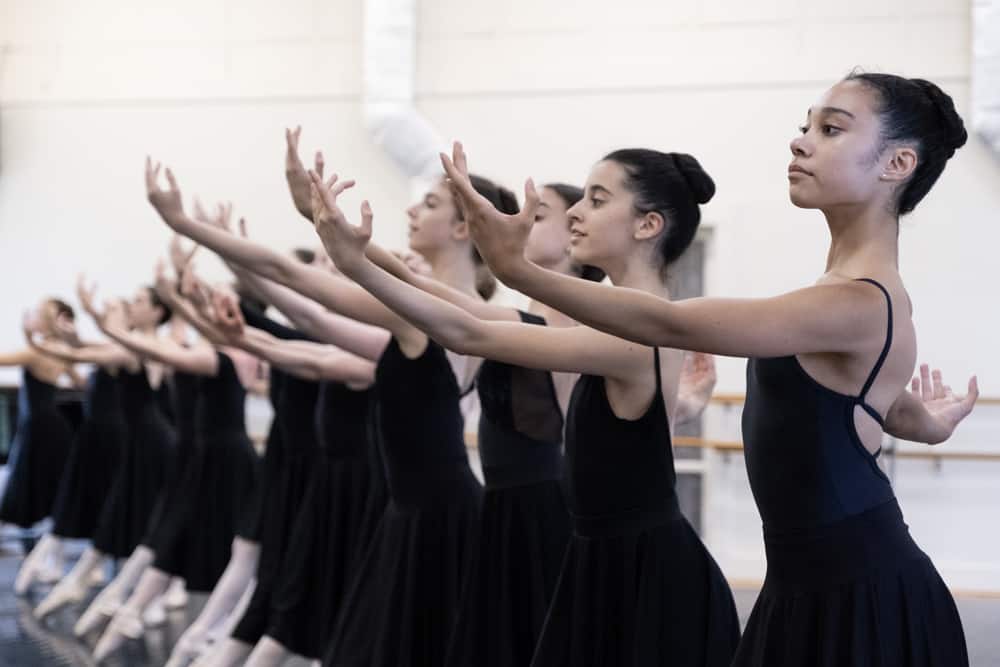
x=107 y=601
x=223 y=604
x=268 y=653
x=127 y=622
x=73 y=587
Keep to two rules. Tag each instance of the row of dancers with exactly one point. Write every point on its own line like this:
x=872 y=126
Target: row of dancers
x=362 y=537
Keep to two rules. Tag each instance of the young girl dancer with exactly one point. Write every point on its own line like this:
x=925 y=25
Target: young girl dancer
x=42 y=439
x=637 y=587
x=93 y=463
x=827 y=375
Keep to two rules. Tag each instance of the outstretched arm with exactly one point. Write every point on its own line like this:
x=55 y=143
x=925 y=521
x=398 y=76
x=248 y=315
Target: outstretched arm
x=930 y=412
x=198 y=360
x=106 y=354
x=568 y=349
x=18 y=358
x=473 y=305
x=841 y=318
x=319 y=323
x=333 y=292
x=310 y=361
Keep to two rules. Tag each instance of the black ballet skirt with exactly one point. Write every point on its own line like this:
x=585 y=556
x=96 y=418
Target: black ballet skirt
x=524 y=527
x=283 y=498
x=93 y=459
x=845 y=583
x=194 y=537
x=142 y=468
x=637 y=586
x=332 y=529
x=403 y=604
x=38 y=453
x=184 y=391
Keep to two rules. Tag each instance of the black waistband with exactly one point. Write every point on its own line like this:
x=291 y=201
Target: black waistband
x=627 y=523
x=512 y=459
x=851 y=548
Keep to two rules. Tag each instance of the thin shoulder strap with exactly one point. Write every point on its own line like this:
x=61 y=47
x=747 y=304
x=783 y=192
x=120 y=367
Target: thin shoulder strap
x=882 y=357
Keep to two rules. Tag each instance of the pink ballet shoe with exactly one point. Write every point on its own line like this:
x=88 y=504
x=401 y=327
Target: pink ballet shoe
x=66 y=592
x=125 y=625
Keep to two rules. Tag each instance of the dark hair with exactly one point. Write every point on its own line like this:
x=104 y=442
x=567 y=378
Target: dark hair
x=505 y=202
x=157 y=302
x=570 y=194
x=671 y=184
x=916 y=111
x=62 y=308
x=304 y=255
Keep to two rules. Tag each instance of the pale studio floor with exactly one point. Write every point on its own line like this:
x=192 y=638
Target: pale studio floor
x=25 y=642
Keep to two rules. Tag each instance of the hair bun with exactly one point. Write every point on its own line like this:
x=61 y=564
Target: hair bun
x=699 y=182
x=952 y=127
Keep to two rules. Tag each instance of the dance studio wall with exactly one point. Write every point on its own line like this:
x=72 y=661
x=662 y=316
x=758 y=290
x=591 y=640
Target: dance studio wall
x=539 y=88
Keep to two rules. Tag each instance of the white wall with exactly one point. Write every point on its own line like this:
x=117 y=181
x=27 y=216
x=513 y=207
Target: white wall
x=539 y=88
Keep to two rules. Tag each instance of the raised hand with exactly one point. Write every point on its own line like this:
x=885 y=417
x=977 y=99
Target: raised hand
x=86 y=296
x=114 y=315
x=180 y=257
x=220 y=218
x=226 y=315
x=501 y=238
x=344 y=242
x=164 y=286
x=299 y=184
x=698 y=377
x=28 y=326
x=944 y=406
x=167 y=202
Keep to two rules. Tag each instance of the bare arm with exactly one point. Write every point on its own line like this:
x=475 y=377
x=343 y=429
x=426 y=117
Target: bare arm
x=310 y=361
x=316 y=321
x=837 y=318
x=103 y=354
x=19 y=358
x=567 y=349
x=197 y=360
x=331 y=291
x=473 y=305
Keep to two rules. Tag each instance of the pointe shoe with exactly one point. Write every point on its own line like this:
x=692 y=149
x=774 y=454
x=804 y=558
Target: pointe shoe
x=50 y=574
x=29 y=571
x=155 y=614
x=97 y=577
x=189 y=647
x=66 y=592
x=125 y=625
x=104 y=605
x=176 y=596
